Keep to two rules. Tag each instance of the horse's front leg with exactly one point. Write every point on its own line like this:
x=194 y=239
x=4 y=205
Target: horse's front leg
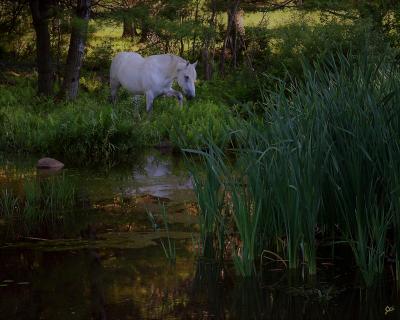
x=173 y=93
x=149 y=101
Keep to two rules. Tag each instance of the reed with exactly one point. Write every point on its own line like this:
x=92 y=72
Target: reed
x=169 y=248
x=210 y=191
x=41 y=203
x=9 y=204
x=323 y=158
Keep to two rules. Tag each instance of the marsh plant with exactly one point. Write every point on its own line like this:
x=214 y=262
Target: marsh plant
x=322 y=162
x=168 y=246
x=210 y=197
x=41 y=201
x=8 y=203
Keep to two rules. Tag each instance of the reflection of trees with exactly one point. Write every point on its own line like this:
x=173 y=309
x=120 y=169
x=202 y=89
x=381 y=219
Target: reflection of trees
x=137 y=284
x=96 y=281
x=208 y=288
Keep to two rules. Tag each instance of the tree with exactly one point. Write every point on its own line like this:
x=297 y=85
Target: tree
x=209 y=40
x=129 y=28
x=234 y=34
x=129 y=25
x=42 y=11
x=76 y=49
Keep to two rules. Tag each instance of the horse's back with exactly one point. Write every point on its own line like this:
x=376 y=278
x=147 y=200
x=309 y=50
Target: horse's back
x=127 y=69
x=124 y=61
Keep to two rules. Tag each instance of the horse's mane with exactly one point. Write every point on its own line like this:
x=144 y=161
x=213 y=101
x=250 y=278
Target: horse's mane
x=177 y=58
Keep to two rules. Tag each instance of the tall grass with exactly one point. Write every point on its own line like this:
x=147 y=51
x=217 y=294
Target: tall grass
x=8 y=203
x=40 y=204
x=322 y=161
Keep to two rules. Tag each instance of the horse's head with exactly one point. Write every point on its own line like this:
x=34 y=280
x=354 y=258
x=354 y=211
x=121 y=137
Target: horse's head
x=186 y=78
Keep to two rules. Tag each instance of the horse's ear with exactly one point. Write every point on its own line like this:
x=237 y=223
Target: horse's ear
x=194 y=64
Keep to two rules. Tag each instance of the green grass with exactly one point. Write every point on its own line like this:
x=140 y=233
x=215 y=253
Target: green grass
x=90 y=128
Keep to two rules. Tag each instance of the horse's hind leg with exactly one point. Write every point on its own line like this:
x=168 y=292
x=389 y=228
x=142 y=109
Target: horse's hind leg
x=136 y=103
x=149 y=101
x=114 y=86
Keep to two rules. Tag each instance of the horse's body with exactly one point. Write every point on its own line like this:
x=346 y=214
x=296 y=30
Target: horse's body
x=152 y=76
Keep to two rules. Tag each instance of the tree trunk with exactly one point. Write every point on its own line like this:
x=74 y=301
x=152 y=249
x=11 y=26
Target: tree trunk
x=205 y=57
x=196 y=18
x=205 y=54
x=230 y=40
x=129 y=30
x=41 y=12
x=76 y=50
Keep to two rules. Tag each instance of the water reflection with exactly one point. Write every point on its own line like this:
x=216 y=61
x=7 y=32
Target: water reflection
x=139 y=284
x=105 y=261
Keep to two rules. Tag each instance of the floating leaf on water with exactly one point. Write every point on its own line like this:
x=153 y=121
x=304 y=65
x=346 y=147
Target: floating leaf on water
x=3 y=285
x=8 y=281
x=23 y=283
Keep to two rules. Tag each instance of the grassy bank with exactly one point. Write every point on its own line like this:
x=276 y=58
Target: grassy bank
x=90 y=128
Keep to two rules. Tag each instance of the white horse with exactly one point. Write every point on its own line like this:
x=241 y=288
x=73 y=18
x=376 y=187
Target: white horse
x=152 y=76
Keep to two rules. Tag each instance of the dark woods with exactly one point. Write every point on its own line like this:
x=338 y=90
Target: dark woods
x=212 y=31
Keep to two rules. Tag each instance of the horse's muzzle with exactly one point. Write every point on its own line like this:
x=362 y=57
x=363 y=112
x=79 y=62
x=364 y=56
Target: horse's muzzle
x=189 y=96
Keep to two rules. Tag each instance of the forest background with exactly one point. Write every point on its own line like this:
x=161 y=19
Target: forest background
x=55 y=58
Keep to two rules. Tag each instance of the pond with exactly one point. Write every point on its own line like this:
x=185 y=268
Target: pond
x=108 y=257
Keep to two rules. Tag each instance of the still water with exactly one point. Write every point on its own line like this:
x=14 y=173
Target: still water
x=106 y=259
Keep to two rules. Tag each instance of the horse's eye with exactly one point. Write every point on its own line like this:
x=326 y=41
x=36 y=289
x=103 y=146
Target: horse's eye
x=187 y=78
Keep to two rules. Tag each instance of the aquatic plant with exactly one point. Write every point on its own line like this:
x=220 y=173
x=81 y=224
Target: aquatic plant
x=42 y=202
x=169 y=248
x=8 y=203
x=210 y=192
x=322 y=162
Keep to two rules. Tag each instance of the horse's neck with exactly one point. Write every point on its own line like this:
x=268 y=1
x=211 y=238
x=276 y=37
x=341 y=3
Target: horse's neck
x=167 y=65
x=175 y=65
